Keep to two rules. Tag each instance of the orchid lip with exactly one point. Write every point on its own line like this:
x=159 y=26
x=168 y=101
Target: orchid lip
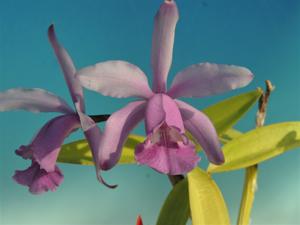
x=38 y=180
x=167 y=151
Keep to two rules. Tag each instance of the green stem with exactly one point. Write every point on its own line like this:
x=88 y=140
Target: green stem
x=175 y=179
x=250 y=185
x=251 y=173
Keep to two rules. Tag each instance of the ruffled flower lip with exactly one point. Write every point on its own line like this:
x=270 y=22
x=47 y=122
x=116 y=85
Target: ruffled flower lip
x=167 y=151
x=37 y=179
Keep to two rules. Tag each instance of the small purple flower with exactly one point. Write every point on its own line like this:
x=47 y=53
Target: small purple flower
x=43 y=174
x=166 y=148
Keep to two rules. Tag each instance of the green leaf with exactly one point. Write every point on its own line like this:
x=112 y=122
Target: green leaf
x=206 y=200
x=229 y=135
x=224 y=138
x=259 y=145
x=227 y=113
x=175 y=210
x=79 y=152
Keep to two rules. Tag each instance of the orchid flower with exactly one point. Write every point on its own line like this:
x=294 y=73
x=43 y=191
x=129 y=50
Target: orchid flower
x=43 y=174
x=166 y=148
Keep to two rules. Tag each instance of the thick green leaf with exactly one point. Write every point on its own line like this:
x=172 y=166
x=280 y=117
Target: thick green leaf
x=229 y=135
x=259 y=145
x=227 y=113
x=79 y=152
x=206 y=201
x=175 y=210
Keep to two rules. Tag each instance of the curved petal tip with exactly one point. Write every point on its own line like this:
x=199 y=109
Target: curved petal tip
x=218 y=159
x=52 y=36
x=102 y=181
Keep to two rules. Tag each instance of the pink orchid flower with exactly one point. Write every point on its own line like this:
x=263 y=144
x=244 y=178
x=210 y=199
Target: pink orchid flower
x=43 y=174
x=166 y=148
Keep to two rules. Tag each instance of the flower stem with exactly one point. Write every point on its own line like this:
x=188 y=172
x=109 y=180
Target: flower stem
x=99 y=118
x=251 y=173
x=250 y=186
x=175 y=179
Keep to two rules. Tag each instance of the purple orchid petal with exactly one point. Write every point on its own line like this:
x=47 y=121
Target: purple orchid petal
x=46 y=144
x=25 y=152
x=118 y=127
x=162 y=44
x=118 y=79
x=33 y=100
x=161 y=108
x=38 y=180
x=93 y=136
x=68 y=69
x=203 y=130
x=167 y=152
x=209 y=79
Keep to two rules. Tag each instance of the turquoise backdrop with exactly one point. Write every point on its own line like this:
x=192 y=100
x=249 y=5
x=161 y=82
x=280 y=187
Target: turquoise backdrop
x=263 y=35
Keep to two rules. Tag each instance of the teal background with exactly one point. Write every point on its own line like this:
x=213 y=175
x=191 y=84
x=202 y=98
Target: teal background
x=262 y=35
